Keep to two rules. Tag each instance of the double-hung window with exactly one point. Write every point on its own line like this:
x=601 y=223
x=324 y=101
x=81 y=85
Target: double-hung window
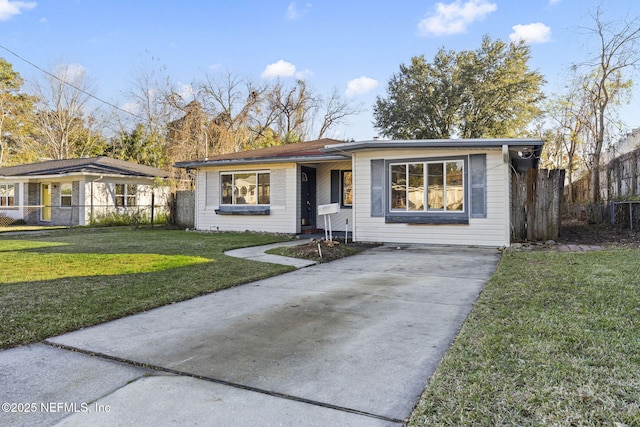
x=66 y=192
x=7 y=195
x=245 y=188
x=126 y=195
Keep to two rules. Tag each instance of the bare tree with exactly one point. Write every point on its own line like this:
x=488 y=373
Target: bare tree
x=571 y=112
x=153 y=99
x=232 y=103
x=618 y=43
x=335 y=112
x=64 y=116
x=293 y=108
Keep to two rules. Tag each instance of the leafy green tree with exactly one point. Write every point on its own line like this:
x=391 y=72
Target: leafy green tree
x=489 y=92
x=422 y=99
x=15 y=111
x=138 y=146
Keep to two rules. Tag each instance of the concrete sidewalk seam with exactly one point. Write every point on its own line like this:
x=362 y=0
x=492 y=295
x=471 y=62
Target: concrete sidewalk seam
x=176 y=372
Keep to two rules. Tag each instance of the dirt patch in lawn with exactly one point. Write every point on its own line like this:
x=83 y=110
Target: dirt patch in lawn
x=578 y=233
x=324 y=250
x=581 y=233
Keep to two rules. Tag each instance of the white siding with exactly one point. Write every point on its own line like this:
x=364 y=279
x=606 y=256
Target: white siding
x=283 y=206
x=490 y=231
x=96 y=195
x=323 y=179
x=16 y=211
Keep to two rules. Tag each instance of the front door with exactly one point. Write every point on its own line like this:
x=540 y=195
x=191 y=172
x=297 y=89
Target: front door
x=45 y=201
x=308 y=198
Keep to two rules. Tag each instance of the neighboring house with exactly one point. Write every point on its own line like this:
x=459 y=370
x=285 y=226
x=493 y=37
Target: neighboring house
x=71 y=192
x=452 y=192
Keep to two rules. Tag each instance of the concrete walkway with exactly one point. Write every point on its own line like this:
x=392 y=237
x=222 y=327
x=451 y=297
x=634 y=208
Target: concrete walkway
x=351 y=343
x=257 y=253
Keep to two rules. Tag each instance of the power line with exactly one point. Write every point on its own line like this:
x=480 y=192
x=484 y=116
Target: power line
x=70 y=84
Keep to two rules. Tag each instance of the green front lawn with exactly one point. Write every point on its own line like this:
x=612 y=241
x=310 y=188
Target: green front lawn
x=59 y=281
x=554 y=339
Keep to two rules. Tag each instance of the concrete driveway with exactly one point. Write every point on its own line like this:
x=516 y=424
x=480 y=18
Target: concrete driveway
x=351 y=342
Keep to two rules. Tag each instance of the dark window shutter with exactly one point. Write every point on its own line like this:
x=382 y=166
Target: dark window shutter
x=478 y=166
x=377 y=188
x=335 y=186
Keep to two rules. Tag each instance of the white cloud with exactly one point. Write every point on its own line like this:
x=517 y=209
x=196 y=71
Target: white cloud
x=284 y=69
x=8 y=8
x=454 y=18
x=279 y=69
x=360 y=86
x=553 y=2
x=531 y=33
x=71 y=72
x=132 y=107
x=293 y=13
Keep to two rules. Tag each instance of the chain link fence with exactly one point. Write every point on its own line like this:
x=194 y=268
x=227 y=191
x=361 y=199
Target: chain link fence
x=74 y=215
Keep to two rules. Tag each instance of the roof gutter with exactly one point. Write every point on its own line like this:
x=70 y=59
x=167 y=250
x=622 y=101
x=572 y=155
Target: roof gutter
x=270 y=160
x=432 y=143
x=73 y=174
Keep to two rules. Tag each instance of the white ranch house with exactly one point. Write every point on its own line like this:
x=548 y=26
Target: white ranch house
x=72 y=191
x=443 y=192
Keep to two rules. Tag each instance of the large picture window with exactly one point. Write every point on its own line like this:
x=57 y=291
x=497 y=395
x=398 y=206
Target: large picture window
x=7 y=195
x=427 y=187
x=126 y=195
x=245 y=188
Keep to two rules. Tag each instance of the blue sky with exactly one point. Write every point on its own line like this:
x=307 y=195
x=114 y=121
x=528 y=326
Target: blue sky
x=352 y=45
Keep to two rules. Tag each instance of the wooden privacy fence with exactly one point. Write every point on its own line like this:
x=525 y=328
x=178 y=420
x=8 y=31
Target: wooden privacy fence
x=536 y=208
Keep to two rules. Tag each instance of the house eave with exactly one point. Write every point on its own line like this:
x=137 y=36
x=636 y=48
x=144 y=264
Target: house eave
x=267 y=160
x=523 y=153
x=32 y=177
x=432 y=143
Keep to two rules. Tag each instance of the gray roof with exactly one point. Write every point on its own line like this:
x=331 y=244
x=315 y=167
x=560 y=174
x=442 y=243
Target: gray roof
x=332 y=150
x=85 y=165
x=435 y=143
x=298 y=152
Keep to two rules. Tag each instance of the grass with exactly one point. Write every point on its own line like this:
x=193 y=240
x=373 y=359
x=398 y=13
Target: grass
x=19 y=228
x=58 y=281
x=554 y=339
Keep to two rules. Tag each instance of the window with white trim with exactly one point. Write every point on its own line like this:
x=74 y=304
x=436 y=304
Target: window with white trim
x=7 y=195
x=66 y=192
x=126 y=195
x=245 y=188
x=346 y=179
x=427 y=187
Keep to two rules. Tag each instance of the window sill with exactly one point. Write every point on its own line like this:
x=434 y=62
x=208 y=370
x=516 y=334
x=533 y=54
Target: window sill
x=243 y=210
x=426 y=219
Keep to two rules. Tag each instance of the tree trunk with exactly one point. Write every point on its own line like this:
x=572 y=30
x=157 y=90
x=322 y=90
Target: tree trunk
x=594 y=179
